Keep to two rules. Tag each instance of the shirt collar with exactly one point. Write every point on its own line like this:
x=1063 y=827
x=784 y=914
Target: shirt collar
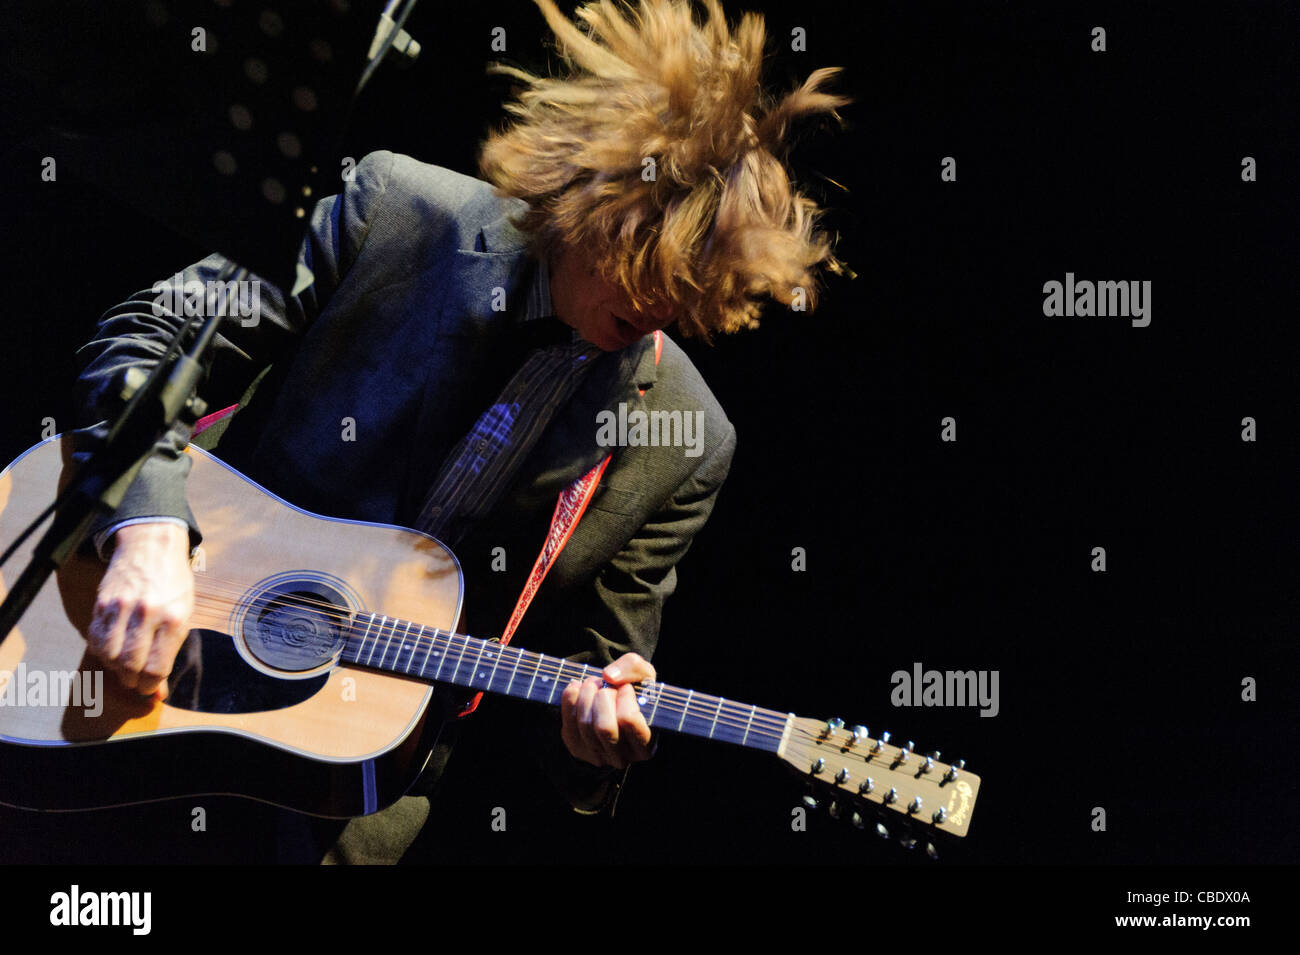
x=537 y=298
x=537 y=301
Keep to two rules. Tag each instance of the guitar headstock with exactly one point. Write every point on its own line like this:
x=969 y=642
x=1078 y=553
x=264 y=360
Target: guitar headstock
x=860 y=770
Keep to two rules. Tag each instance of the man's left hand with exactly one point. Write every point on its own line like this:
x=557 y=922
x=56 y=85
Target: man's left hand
x=602 y=724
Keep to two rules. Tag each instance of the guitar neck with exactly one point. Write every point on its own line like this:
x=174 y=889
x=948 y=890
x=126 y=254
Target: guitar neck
x=405 y=648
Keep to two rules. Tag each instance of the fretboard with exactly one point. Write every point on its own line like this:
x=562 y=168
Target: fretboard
x=438 y=656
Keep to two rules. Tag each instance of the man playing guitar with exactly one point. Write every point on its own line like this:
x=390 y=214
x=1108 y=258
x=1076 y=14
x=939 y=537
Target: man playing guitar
x=640 y=189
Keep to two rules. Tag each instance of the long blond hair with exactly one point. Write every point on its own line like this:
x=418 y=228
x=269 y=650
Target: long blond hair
x=657 y=151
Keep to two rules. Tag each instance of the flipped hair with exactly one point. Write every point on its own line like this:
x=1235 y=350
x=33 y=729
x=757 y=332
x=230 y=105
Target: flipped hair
x=657 y=150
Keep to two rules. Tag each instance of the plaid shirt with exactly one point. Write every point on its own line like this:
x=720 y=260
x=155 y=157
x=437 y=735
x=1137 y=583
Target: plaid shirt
x=487 y=460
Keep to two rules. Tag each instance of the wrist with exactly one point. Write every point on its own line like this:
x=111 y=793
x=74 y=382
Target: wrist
x=166 y=534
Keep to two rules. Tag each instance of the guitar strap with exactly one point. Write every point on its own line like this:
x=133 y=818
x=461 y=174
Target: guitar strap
x=209 y=420
x=569 y=508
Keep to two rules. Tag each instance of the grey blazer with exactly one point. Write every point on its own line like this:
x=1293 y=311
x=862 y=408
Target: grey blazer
x=398 y=333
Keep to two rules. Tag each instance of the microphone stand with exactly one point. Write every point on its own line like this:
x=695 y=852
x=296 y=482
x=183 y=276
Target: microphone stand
x=155 y=402
x=253 y=215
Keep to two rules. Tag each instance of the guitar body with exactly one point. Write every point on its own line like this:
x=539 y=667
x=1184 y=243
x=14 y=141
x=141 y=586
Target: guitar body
x=259 y=705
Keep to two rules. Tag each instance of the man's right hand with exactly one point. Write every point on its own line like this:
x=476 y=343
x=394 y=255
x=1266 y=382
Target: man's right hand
x=145 y=599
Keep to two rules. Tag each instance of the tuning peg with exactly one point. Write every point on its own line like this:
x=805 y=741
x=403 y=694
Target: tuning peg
x=833 y=725
x=951 y=774
x=931 y=851
x=929 y=765
x=884 y=738
x=914 y=805
x=857 y=820
x=810 y=801
x=818 y=765
x=907 y=842
x=891 y=796
x=833 y=810
x=859 y=733
x=881 y=830
x=842 y=776
x=866 y=786
x=940 y=815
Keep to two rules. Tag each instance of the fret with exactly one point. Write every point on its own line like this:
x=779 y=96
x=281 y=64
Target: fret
x=377 y=633
x=412 y=645
x=397 y=657
x=655 y=708
x=460 y=659
x=364 y=637
x=442 y=655
x=550 y=697
x=769 y=737
x=514 y=672
x=748 y=723
x=730 y=729
x=565 y=677
x=536 y=669
x=401 y=645
x=693 y=718
x=397 y=651
x=586 y=672
x=397 y=654
x=474 y=672
x=496 y=663
x=388 y=643
x=428 y=647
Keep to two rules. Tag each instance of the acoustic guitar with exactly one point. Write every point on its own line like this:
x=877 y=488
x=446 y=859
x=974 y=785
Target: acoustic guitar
x=307 y=677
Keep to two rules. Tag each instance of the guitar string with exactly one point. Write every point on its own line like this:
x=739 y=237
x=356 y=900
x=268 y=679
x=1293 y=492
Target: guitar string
x=673 y=700
x=670 y=703
x=390 y=629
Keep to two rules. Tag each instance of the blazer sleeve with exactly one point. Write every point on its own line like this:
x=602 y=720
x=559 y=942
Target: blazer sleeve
x=622 y=610
x=136 y=333
x=629 y=592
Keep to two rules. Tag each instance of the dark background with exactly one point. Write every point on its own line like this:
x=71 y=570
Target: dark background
x=1119 y=689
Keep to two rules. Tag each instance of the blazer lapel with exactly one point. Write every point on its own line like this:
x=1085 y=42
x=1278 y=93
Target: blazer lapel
x=471 y=332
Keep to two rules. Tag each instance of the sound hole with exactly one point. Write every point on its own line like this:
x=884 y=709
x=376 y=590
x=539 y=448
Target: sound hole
x=297 y=626
x=210 y=676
